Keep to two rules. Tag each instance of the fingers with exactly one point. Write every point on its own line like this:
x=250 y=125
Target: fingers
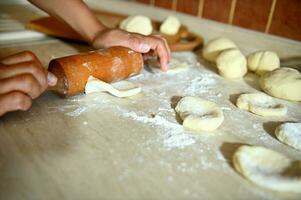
x=14 y=101
x=25 y=83
x=22 y=78
x=166 y=44
x=145 y=44
x=24 y=56
x=30 y=67
x=137 y=42
x=162 y=50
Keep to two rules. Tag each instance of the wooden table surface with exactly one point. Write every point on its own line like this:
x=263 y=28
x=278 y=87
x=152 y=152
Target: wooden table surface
x=101 y=147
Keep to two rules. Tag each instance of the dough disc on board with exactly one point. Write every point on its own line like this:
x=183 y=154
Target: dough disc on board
x=174 y=66
x=118 y=89
x=268 y=169
x=290 y=134
x=199 y=114
x=260 y=104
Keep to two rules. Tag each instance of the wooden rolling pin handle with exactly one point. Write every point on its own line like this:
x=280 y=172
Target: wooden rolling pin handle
x=109 y=65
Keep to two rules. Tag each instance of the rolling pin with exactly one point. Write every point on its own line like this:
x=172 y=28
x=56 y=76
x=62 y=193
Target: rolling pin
x=109 y=65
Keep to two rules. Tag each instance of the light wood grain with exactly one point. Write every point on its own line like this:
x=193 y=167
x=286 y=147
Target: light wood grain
x=51 y=153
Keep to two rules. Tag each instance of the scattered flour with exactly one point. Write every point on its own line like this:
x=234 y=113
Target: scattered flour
x=77 y=112
x=171 y=134
x=158 y=92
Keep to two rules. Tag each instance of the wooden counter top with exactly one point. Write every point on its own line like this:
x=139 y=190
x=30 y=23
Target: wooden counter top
x=102 y=147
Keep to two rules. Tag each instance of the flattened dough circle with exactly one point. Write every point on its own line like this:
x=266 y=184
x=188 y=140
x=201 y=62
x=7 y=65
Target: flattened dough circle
x=118 y=89
x=290 y=134
x=174 y=66
x=268 y=169
x=199 y=114
x=260 y=104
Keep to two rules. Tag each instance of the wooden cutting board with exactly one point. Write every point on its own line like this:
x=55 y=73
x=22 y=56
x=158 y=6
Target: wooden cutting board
x=183 y=41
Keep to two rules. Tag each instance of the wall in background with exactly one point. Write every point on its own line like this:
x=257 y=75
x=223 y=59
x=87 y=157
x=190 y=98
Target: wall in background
x=277 y=17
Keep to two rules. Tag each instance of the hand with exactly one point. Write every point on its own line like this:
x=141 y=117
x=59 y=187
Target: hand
x=22 y=78
x=137 y=42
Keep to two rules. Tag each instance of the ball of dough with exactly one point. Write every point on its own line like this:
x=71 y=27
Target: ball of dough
x=284 y=83
x=231 y=64
x=260 y=104
x=213 y=48
x=290 y=134
x=263 y=61
x=199 y=114
x=170 y=26
x=137 y=24
x=268 y=169
x=174 y=66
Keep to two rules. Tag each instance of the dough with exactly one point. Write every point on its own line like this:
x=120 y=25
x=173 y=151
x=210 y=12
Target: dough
x=170 y=26
x=268 y=168
x=137 y=24
x=231 y=64
x=284 y=83
x=174 y=66
x=118 y=89
x=290 y=134
x=260 y=104
x=215 y=46
x=199 y=114
x=263 y=61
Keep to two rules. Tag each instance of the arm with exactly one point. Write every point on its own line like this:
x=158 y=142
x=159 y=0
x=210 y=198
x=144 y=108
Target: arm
x=75 y=13
x=81 y=19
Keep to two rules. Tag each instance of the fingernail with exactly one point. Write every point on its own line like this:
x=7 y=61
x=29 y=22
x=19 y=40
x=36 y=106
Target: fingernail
x=51 y=79
x=144 y=47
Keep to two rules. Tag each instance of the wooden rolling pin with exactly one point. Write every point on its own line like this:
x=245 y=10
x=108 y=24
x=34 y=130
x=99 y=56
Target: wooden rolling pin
x=108 y=65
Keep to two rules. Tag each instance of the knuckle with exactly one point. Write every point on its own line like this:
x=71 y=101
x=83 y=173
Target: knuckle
x=21 y=101
x=35 y=68
x=134 y=40
x=29 y=54
x=30 y=85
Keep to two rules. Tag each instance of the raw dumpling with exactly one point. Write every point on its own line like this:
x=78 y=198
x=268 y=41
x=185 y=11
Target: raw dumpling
x=199 y=114
x=118 y=89
x=260 y=104
x=137 y=24
x=284 y=83
x=231 y=64
x=290 y=134
x=214 y=47
x=170 y=26
x=268 y=169
x=261 y=62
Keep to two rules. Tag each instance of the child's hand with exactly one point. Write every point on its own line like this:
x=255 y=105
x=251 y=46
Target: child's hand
x=137 y=42
x=22 y=78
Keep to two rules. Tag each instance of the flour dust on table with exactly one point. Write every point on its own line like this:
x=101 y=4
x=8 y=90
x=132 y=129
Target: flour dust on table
x=119 y=89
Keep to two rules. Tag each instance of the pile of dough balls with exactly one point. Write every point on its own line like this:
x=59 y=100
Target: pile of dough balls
x=284 y=83
x=231 y=63
x=137 y=24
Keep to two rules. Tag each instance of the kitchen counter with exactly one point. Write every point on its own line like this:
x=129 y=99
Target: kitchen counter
x=102 y=147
